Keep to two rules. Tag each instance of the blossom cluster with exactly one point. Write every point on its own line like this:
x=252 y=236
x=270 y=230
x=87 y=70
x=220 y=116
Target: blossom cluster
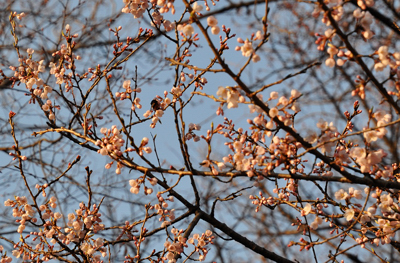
x=127 y=94
x=23 y=210
x=387 y=59
x=111 y=145
x=166 y=215
x=249 y=150
x=261 y=200
x=4 y=257
x=136 y=184
x=187 y=30
x=80 y=224
x=48 y=107
x=231 y=95
x=112 y=142
x=28 y=72
x=200 y=242
x=190 y=134
x=383 y=228
x=247 y=48
x=213 y=22
x=365 y=21
x=176 y=247
x=66 y=61
x=138 y=8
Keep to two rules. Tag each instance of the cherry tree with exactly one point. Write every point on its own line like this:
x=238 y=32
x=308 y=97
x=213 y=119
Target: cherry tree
x=217 y=131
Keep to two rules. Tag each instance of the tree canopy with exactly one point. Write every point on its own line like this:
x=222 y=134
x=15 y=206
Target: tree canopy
x=184 y=131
